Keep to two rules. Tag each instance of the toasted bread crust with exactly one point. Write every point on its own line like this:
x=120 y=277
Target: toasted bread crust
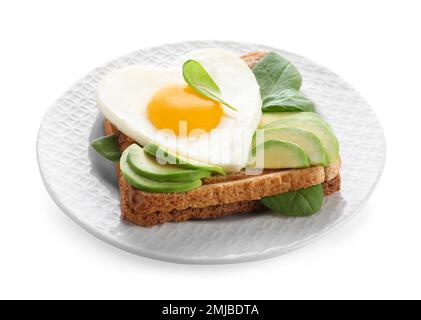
x=253 y=57
x=210 y=212
x=219 y=195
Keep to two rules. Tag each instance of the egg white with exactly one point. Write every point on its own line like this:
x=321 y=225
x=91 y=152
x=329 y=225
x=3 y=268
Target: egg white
x=124 y=94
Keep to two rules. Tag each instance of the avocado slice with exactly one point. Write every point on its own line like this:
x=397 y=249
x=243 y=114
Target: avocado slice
x=146 y=166
x=318 y=127
x=268 y=117
x=279 y=154
x=172 y=158
x=307 y=141
x=149 y=185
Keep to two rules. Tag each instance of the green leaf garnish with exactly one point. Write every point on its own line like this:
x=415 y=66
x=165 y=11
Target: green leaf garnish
x=280 y=82
x=107 y=147
x=298 y=203
x=199 y=79
x=286 y=101
x=275 y=74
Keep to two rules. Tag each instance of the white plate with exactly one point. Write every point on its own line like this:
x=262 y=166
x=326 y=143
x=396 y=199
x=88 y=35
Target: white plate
x=84 y=185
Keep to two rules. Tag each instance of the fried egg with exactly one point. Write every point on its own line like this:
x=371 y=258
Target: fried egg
x=155 y=105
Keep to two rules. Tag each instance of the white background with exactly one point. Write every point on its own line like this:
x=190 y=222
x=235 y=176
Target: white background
x=46 y=45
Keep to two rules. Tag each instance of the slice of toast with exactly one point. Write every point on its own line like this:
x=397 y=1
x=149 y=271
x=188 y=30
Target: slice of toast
x=219 y=195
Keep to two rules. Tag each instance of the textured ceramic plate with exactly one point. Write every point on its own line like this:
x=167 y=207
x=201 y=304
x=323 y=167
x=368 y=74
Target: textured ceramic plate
x=85 y=188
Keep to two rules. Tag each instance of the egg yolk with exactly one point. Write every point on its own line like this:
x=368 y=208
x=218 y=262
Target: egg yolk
x=173 y=104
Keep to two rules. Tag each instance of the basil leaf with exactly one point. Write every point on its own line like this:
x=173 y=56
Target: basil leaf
x=287 y=100
x=199 y=79
x=107 y=147
x=298 y=203
x=275 y=74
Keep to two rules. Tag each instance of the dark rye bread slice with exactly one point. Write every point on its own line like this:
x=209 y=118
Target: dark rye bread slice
x=219 y=195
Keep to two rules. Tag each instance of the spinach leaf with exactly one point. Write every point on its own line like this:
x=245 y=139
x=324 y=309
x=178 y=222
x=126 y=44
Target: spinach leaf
x=107 y=147
x=280 y=83
x=275 y=74
x=199 y=79
x=287 y=100
x=298 y=203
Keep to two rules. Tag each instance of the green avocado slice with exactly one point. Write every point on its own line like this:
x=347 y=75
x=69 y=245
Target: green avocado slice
x=149 y=185
x=156 y=151
x=146 y=166
x=307 y=141
x=269 y=117
x=318 y=127
x=279 y=154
